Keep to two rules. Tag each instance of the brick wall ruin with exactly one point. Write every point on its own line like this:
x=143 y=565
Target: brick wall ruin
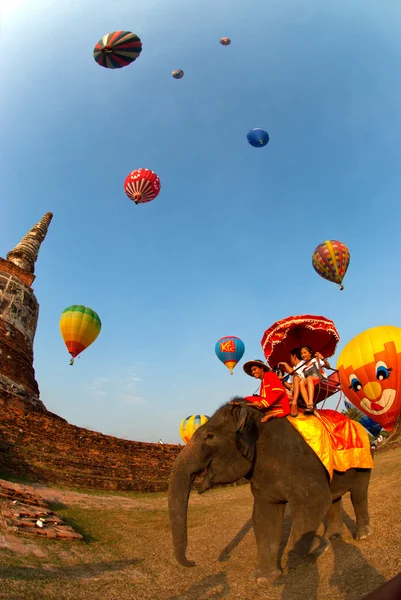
x=19 y=312
x=43 y=447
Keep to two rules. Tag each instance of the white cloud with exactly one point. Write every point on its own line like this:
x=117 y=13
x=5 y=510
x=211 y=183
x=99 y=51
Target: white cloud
x=130 y=399
x=97 y=386
x=129 y=382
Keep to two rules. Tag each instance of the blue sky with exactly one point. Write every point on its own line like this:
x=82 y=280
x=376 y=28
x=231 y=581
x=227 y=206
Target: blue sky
x=225 y=249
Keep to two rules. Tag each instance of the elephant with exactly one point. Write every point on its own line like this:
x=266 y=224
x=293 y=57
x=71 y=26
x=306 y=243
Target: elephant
x=282 y=468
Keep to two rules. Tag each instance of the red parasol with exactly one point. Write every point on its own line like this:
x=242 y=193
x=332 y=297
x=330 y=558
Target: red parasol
x=293 y=332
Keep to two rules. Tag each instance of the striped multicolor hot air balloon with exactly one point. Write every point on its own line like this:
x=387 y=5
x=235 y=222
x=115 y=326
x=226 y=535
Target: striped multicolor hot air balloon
x=330 y=260
x=79 y=326
x=189 y=425
x=178 y=74
x=230 y=350
x=117 y=49
x=142 y=185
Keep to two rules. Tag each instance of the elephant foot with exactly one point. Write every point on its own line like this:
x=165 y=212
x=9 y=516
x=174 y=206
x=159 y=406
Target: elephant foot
x=363 y=532
x=265 y=577
x=319 y=546
x=332 y=532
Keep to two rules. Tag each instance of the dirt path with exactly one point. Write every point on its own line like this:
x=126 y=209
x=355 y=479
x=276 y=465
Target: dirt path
x=128 y=551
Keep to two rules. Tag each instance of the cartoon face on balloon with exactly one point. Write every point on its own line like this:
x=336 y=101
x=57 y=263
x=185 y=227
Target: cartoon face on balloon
x=370 y=371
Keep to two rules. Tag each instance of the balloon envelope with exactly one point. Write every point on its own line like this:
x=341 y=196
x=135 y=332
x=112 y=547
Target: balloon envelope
x=330 y=260
x=79 y=326
x=225 y=41
x=178 y=74
x=258 y=137
x=118 y=49
x=142 y=185
x=230 y=350
x=370 y=373
x=368 y=423
x=189 y=425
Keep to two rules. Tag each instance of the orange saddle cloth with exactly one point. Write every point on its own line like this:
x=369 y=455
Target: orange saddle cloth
x=339 y=442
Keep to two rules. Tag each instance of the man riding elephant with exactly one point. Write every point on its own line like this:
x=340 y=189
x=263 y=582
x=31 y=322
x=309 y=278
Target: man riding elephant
x=272 y=398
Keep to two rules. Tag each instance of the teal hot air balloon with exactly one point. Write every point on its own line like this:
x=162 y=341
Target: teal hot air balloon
x=230 y=350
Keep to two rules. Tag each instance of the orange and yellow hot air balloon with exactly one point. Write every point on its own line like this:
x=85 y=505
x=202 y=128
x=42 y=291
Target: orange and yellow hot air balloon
x=79 y=326
x=370 y=373
x=189 y=425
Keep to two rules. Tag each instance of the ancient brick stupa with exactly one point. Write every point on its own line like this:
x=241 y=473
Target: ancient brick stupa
x=19 y=311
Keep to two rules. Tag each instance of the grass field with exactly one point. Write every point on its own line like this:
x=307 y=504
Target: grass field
x=127 y=552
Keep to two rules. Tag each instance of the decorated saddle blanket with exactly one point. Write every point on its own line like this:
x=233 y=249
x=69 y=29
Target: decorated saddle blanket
x=339 y=442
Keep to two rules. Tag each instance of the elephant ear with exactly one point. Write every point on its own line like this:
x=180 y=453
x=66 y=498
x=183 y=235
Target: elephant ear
x=246 y=432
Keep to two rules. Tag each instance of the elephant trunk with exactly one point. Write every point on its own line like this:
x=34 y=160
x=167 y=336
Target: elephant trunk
x=185 y=467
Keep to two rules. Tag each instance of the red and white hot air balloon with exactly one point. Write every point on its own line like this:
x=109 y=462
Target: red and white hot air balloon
x=142 y=185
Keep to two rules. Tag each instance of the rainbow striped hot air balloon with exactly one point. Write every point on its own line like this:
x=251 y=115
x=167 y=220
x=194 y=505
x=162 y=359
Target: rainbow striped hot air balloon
x=330 y=260
x=79 y=326
x=189 y=425
x=230 y=350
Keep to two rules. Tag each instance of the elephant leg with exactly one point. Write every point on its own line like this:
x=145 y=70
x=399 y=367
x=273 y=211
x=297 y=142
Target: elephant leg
x=306 y=520
x=359 y=499
x=268 y=527
x=334 y=519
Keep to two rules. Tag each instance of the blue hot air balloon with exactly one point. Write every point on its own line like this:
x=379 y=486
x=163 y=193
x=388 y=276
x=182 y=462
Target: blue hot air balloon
x=371 y=425
x=230 y=350
x=366 y=422
x=258 y=137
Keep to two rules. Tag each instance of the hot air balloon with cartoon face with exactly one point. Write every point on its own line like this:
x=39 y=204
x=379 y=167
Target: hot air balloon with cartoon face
x=230 y=350
x=189 y=425
x=79 y=326
x=330 y=260
x=370 y=372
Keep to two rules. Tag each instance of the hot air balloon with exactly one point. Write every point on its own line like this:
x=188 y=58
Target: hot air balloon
x=142 y=186
x=330 y=260
x=225 y=41
x=368 y=423
x=178 y=74
x=370 y=372
x=189 y=425
x=230 y=350
x=258 y=137
x=79 y=326
x=117 y=49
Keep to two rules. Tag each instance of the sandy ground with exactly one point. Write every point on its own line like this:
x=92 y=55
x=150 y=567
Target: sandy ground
x=129 y=555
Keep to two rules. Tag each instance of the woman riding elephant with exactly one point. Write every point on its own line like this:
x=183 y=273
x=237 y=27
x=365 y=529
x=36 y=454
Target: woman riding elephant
x=281 y=467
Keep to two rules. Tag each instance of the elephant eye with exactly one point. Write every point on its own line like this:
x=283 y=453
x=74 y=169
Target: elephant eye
x=356 y=385
x=382 y=371
x=210 y=436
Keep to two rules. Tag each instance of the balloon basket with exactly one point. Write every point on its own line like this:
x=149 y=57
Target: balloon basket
x=71 y=362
